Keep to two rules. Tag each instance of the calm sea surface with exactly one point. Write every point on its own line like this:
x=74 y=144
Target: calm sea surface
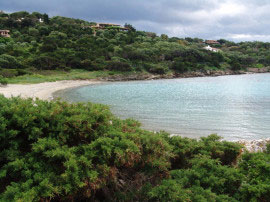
x=234 y=107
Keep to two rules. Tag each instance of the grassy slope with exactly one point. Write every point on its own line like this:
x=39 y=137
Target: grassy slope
x=56 y=75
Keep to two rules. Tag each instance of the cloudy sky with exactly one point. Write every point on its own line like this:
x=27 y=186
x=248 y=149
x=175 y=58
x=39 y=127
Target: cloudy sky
x=237 y=20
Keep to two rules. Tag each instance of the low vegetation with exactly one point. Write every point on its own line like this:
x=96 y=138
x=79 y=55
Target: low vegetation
x=3 y=81
x=55 y=151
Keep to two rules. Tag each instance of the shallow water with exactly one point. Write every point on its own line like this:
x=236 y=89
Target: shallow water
x=234 y=107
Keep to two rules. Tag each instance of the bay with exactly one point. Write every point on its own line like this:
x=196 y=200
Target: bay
x=234 y=107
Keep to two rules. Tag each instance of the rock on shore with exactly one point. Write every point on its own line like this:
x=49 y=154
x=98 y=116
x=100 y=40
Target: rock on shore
x=255 y=145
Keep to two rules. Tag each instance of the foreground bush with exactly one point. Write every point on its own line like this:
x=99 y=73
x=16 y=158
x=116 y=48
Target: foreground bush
x=3 y=81
x=55 y=151
x=73 y=151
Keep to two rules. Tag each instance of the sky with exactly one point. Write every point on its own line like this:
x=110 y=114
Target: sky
x=236 y=20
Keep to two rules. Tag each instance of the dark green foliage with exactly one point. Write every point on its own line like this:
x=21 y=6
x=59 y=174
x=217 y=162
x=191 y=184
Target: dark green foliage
x=8 y=73
x=256 y=168
x=209 y=174
x=185 y=149
x=156 y=68
x=8 y=62
x=235 y=64
x=59 y=151
x=119 y=66
x=66 y=43
x=46 y=62
x=180 y=66
x=3 y=81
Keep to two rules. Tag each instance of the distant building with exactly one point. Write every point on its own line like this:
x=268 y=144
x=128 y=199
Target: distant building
x=103 y=26
x=108 y=26
x=20 y=19
x=4 y=33
x=211 y=42
x=40 y=20
x=211 y=49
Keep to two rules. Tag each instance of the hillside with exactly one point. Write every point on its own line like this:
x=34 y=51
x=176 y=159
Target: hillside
x=38 y=43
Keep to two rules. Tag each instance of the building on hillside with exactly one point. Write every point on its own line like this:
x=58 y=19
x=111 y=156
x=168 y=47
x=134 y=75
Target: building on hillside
x=108 y=26
x=211 y=42
x=4 y=33
x=20 y=19
x=104 y=26
x=209 y=48
x=40 y=20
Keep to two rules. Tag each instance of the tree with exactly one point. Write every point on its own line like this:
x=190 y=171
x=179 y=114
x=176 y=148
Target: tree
x=164 y=37
x=222 y=41
x=33 y=32
x=37 y=15
x=45 y=62
x=46 y=18
x=9 y=62
x=19 y=15
x=130 y=27
x=181 y=66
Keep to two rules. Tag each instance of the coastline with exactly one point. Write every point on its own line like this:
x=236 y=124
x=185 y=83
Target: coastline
x=43 y=91
x=46 y=90
x=207 y=73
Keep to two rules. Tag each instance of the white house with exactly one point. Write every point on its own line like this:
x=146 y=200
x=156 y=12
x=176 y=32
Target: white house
x=211 y=49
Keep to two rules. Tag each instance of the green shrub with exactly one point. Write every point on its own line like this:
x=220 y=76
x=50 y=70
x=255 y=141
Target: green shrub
x=3 y=81
x=118 y=66
x=8 y=73
x=156 y=68
x=259 y=66
x=185 y=149
x=22 y=72
x=181 y=66
x=255 y=166
x=9 y=62
x=56 y=150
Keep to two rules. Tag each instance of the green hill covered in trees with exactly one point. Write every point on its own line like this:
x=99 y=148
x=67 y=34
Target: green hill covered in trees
x=38 y=43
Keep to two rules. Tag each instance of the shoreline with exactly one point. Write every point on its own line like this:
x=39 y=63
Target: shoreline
x=43 y=91
x=195 y=74
x=46 y=91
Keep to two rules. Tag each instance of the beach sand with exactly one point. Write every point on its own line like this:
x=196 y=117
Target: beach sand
x=42 y=91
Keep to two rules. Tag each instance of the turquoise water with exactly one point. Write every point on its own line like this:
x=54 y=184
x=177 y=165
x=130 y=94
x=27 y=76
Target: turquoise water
x=234 y=107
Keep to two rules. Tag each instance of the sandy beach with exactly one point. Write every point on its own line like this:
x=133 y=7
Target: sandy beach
x=42 y=91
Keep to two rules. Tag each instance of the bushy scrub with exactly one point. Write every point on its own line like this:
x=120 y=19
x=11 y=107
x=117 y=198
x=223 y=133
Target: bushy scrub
x=55 y=151
x=256 y=168
x=3 y=81
x=118 y=66
x=9 y=62
x=156 y=68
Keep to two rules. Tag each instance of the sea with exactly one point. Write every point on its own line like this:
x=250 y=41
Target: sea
x=236 y=107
